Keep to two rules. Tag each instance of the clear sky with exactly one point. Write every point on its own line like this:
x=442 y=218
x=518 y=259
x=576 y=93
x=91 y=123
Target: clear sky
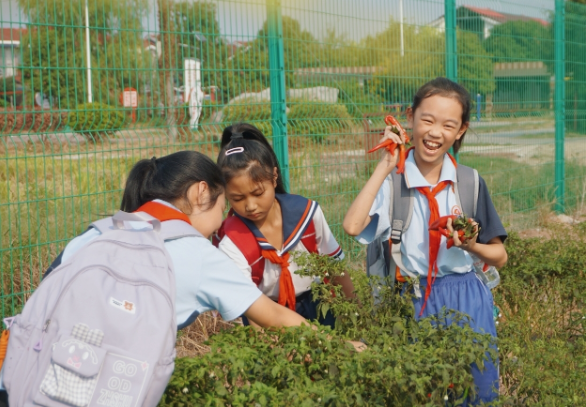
x=242 y=19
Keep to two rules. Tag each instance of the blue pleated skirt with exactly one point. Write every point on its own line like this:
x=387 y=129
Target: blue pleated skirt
x=467 y=294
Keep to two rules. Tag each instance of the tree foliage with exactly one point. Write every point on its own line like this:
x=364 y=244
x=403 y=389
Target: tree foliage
x=519 y=41
x=53 y=58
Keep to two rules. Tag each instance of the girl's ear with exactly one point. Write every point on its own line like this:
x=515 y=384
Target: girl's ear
x=462 y=130
x=275 y=176
x=409 y=113
x=197 y=195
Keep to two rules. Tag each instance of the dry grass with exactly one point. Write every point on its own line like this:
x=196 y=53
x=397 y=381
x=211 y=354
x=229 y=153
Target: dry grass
x=191 y=340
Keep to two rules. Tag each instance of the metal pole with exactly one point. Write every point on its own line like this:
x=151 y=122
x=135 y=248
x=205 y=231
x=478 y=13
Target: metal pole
x=88 y=55
x=559 y=104
x=478 y=106
x=401 y=17
x=451 y=44
x=278 y=91
x=451 y=51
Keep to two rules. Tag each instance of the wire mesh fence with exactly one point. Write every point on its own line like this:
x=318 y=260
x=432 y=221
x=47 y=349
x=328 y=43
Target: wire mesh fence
x=88 y=87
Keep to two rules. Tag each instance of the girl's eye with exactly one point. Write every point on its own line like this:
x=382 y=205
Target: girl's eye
x=236 y=199
x=259 y=193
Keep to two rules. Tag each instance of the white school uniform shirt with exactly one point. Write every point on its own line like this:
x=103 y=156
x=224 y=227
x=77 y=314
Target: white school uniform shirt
x=206 y=279
x=415 y=240
x=326 y=245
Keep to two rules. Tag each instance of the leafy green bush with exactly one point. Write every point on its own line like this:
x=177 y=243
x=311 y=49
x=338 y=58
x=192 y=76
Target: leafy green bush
x=542 y=298
x=317 y=119
x=250 y=111
x=408 y=363
x=95 y=119
x=358 y=100
x=4 y=103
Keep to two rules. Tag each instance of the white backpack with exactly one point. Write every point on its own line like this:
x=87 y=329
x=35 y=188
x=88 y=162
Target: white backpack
x=100 y=329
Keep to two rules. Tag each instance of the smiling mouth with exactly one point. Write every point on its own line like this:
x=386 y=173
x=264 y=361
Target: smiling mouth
x=431 y=145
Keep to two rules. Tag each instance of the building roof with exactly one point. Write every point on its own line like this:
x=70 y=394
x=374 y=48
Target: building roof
x=11 y=35
x=504 y=17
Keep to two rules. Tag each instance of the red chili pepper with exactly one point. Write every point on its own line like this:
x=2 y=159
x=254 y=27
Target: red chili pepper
x=391 y=146
x=442 y=222
x=445 y=232
x=388 y=144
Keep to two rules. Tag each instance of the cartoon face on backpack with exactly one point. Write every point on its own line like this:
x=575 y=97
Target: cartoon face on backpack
x=79 y=353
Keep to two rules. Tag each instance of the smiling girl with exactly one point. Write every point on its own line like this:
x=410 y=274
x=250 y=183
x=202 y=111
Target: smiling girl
x=439 y=118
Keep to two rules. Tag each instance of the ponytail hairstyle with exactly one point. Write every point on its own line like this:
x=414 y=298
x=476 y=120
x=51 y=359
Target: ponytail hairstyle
x=245 y=148
x=168 y=178
x=450 y=89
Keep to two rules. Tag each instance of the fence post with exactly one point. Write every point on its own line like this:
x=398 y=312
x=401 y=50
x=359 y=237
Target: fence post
x=559 y=104
x=278 y=91
x=451 y=45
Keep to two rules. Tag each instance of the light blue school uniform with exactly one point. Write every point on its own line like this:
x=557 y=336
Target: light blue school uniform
x=206 y=278
x=415 y=244
x=456 y=287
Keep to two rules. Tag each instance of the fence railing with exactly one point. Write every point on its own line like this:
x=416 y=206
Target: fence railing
x=88 y=87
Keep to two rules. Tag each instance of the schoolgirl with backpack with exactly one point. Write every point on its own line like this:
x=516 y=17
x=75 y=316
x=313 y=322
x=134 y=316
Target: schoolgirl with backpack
x=267 y=225
x=393 y=214
x=100 y=329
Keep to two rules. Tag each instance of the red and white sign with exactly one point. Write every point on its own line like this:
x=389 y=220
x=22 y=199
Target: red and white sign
x=130 y=97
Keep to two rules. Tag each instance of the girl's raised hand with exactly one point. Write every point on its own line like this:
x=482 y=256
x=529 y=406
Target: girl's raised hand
x=388 y=160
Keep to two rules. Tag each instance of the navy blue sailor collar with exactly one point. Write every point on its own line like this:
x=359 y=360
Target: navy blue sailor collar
x=297 y=213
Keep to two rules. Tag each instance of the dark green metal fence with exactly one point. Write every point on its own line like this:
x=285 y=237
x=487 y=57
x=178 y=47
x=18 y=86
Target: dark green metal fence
x=89 y=87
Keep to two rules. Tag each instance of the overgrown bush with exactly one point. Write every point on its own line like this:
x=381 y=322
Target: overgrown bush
x=408 y=363
x=96 y=119
x=31 y=120
x=251 y=111
x=317 y=119
x=542 y=298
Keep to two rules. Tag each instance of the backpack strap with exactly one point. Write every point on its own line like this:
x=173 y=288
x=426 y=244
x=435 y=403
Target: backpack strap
x=401 y=206
x=467 y=180
x=244 y=239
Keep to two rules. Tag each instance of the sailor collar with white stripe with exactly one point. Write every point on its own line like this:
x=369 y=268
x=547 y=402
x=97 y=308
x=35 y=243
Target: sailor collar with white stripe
x=414 y=178
x=296 y=212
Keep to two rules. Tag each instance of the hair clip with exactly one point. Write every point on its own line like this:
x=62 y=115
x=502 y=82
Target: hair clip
x=234 y=150
x=236 y=135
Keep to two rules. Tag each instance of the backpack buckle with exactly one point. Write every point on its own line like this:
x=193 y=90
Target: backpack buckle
x=396 y=231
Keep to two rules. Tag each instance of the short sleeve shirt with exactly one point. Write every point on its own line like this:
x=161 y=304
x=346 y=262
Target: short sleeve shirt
x=415 y=240
x=326 y=245
x=206 y=279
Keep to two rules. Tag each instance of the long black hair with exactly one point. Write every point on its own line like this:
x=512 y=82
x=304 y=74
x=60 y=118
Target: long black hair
x=169 y=177
x=447 y=88
x=251 y=152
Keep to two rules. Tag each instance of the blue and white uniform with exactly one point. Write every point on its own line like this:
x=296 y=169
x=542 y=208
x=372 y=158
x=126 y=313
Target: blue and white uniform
x=456 y=286
x=206 y=278
x=297 y=211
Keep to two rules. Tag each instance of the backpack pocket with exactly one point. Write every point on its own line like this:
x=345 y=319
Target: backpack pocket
x=73 y=372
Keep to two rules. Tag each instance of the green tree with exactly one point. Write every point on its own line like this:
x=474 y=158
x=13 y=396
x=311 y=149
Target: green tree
x=53 y=58
x=519 y=41
x=475 y=67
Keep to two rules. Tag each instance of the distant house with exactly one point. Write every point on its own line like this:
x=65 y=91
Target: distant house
x=10 y=52
x=482 y=20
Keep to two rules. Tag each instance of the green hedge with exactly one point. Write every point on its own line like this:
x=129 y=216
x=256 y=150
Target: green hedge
x=315 y=119
x=408 y=363
x=96 y=119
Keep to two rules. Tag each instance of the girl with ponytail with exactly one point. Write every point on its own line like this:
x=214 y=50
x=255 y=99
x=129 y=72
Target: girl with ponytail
x=188 y=186
x=267 y=224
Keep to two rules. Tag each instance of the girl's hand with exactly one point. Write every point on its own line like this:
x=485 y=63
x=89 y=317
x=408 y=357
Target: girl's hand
x=388 y=160
x=358 y=346
x=470 y=242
